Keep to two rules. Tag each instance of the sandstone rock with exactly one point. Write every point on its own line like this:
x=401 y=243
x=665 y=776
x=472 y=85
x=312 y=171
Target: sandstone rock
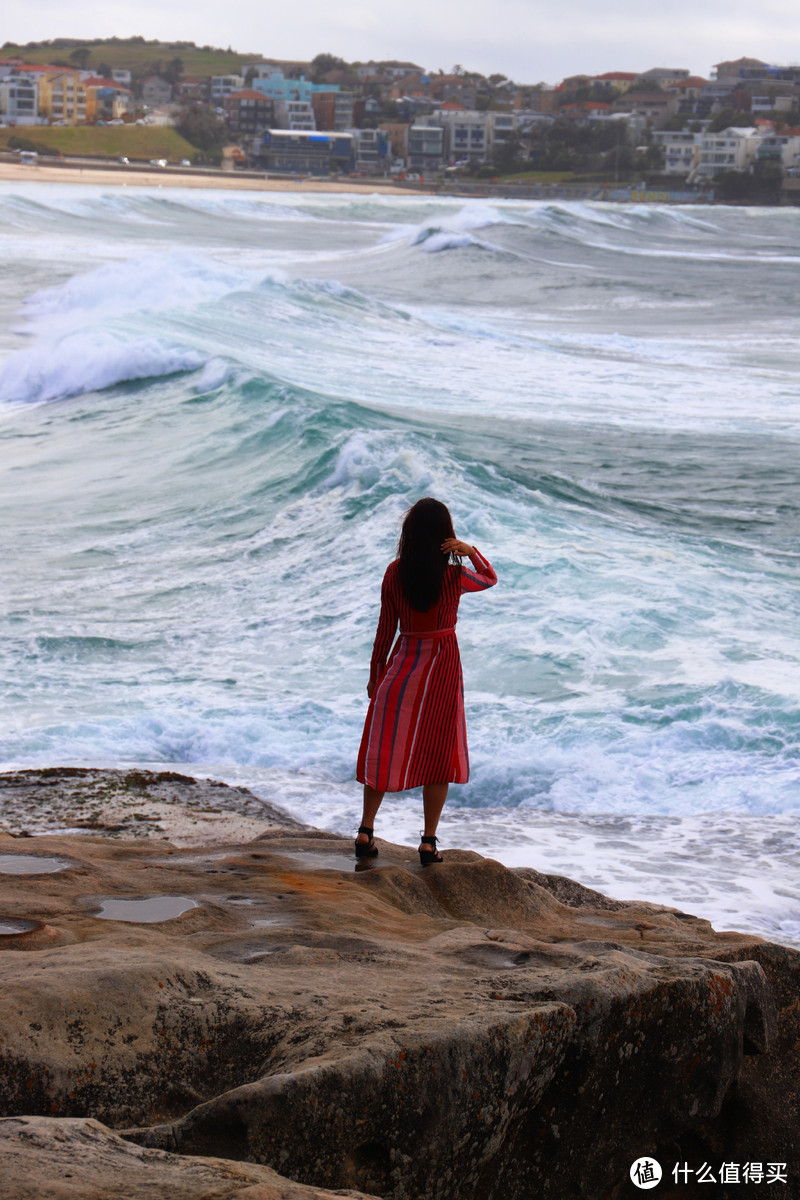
x=461 y=1031
x=79 y=1159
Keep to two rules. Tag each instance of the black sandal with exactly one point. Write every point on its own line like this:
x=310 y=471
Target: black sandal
x=366 y=849
x=426 y=857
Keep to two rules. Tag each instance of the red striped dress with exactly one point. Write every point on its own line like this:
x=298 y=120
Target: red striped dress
x=415 y=731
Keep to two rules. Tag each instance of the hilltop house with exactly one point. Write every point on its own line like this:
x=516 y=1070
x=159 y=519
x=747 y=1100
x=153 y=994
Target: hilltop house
x=155 y=91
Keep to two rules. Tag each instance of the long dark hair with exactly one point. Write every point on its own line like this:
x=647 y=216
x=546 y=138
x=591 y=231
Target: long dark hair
x=422 y=562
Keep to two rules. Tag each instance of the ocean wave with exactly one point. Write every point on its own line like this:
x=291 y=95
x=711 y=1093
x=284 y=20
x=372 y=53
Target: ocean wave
x=89 y=361
x=140 y=284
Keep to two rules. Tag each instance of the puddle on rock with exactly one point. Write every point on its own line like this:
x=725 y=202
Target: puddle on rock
x=11 y=926
x=31 y=864
x=323 y=860
x=147 y=910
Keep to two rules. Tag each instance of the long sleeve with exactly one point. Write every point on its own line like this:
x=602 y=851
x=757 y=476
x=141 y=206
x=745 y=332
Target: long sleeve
x=480 y=576
x=387 y=626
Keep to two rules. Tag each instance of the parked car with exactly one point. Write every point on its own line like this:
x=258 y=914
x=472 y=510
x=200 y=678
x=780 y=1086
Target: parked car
x=125 y=161
x=158 y=162
x=186 y=162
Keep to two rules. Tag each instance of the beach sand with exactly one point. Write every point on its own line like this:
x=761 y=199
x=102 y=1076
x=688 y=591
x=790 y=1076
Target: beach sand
x=111 y=176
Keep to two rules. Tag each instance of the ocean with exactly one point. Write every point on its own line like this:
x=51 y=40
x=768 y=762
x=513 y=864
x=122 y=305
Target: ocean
x=215 y=408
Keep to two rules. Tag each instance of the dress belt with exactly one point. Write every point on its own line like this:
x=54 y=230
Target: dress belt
x=428 y=633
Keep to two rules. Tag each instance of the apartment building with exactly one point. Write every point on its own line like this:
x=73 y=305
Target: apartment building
x=681 y=149
x=248 y=112
x=19 y=100
x=733 y=149
x=223 y=86
x=62 y=95
x=425 y=148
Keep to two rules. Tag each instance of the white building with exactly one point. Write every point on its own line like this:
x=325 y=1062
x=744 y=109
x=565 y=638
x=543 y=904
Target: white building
x=295 y=114
x=502 y=126
x=681 y=149
x=394 y=70
x=733 y=149
x=467 y=132
x=19 y=100
x=783 y=148
x=223 y=86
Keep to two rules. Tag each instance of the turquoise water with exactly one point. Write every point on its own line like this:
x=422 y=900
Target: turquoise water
x=215 y=408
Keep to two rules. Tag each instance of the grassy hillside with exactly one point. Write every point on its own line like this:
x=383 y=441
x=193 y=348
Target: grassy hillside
x=136 y=56
x=134 y=141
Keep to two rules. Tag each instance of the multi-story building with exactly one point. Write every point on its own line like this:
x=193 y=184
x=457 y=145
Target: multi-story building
x=278 y=86
x=502 y=126
x=372 y=150
x=466 y=132
x=19 y=100
x=393 y=69
x=306 y=152
x=425 y=148
x=469 y=133
x=106 y=100
x=296 y=101
x=62 y=96
x=249 y=112
x=681 y=149
x=657 y=107
x=397 y=133
x=732 y=149
x=223 y=86
x=294 y=114
x=333 y=110
x=783 y=147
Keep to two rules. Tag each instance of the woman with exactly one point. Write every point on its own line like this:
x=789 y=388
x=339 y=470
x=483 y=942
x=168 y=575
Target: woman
x=415 y=733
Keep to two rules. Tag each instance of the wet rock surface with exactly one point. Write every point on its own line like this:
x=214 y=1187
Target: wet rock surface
x=461 y=1031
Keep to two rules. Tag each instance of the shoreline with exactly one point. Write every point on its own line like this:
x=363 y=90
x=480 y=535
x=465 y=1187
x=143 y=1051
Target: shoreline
x=159 y=178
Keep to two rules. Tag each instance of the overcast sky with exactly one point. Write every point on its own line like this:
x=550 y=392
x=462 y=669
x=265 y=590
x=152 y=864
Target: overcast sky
x=528 y=40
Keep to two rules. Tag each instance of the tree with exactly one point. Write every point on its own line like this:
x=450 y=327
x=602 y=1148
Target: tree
x=80 y=57
x=324 y=63
x=763 y=186
x=173 y=70
x=728 y=117
x=103 y=69
x=507 y=155
x=199 y=125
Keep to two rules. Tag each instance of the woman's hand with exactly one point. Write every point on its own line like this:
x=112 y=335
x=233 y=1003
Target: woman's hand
x=454 y=546
x=370 y=690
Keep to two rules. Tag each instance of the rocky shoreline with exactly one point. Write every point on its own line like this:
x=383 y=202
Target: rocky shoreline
x=306 y=1027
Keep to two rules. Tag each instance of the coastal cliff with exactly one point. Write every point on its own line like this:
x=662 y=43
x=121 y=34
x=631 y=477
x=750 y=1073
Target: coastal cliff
x=462 y=1031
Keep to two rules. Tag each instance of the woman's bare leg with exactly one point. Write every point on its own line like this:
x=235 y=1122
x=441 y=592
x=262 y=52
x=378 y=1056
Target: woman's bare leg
x=433 y=798
x=372 y=802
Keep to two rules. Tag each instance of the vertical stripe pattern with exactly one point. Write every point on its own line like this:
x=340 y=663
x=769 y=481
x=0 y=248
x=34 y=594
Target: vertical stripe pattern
x=415 y=730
